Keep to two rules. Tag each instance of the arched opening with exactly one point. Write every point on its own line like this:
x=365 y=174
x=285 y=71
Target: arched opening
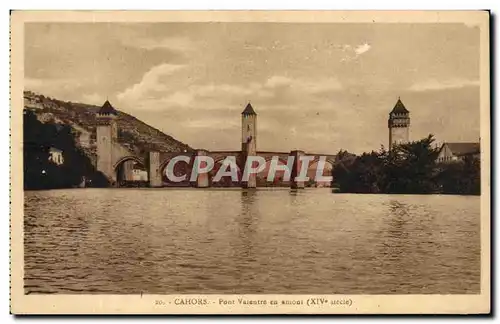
x=311 y=173
x=180 y=168
x=131 y=172
x=226 y=181
x=279 y=175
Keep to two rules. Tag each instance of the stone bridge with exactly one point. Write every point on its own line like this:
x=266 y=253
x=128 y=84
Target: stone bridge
x=119 y=165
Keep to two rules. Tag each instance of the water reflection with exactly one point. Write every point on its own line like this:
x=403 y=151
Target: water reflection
x=249 y=241
x=293 y=195
x=247 y=222
x=399 y=218
x=396 y=247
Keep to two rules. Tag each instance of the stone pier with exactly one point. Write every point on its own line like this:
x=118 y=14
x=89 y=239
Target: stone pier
x=154 y=172
x=295 y=184
x=203 y=179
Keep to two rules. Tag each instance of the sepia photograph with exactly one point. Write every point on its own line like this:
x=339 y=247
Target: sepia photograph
x=250 y=162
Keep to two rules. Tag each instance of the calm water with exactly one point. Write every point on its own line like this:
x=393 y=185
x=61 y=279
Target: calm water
x=232 y=241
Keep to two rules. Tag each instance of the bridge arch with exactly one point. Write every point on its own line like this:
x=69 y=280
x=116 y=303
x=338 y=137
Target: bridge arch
x=226 y=181
x=128 y=158
x=329 y=160
x=327 y=171
x=130 y=171
x=180 y=168
x=219 y=159
x=278 y=180
x=281 y=159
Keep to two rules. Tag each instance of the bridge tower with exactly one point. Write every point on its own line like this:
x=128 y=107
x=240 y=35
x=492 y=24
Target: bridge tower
x=249 y=140
x=399 y=125
x=107 y=133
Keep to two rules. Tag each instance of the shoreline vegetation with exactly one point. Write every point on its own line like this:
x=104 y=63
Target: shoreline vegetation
x=410 y=168
x=42 y=173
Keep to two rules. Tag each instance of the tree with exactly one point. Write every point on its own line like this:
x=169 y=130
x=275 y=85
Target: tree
x=357 y=174
x=39 y=171
x=411 y=167
x=461 y=177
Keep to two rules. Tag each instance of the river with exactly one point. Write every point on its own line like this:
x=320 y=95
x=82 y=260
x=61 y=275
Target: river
x=195 y=241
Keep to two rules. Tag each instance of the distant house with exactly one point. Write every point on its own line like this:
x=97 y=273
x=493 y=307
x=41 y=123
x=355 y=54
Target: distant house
x=139 y=175
x=55 y=155
x=452 y=152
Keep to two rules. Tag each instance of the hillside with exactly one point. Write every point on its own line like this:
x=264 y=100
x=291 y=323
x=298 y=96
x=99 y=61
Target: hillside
x=133 y=134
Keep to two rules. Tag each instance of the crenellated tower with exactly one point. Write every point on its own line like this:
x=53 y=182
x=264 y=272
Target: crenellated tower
x=399 y=125
x=106 y=134
x=249 y=138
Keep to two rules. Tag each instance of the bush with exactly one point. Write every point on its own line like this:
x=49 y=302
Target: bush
x=409 y=168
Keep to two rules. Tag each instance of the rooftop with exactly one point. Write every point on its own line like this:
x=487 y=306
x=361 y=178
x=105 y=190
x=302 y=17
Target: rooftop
x=107 y=109
x=400 y=108
x=248 y=110
x=460 y=149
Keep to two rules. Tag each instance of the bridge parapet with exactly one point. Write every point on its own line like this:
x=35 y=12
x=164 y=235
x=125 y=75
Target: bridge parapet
x=219 y=156
x=156 y=162
x=331 y=158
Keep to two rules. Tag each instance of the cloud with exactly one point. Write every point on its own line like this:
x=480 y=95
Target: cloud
x=215 y=90
x=93 y=98
x=353 y=52
x=66 y=89
x=321 y=85
x=433 y=85
x=180 y=44
x=194 y=97
x=278 y=81
x=362 y=49
x=151 y=83
x=310 y=86
x=50 y=86
x=179 y=98
x=160 y=90
x=212 y=123
x=249 y=46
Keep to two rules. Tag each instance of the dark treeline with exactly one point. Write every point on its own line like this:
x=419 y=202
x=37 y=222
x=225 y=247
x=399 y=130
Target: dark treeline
x=410 y=168
x=39 y=172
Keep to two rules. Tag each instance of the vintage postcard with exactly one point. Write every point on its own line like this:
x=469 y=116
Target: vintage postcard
x=250 y=162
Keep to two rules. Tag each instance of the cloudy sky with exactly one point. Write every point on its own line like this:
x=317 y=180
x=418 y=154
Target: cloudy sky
x=316 y=87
